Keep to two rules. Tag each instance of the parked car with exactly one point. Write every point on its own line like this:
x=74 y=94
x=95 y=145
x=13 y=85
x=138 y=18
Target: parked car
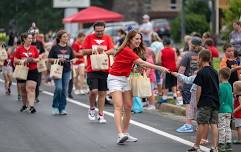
x=112 y=28
x=162 y=27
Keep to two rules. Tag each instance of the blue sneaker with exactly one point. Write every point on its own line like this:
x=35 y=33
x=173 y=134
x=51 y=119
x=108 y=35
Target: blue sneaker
x=186 y=128
x=163 y=100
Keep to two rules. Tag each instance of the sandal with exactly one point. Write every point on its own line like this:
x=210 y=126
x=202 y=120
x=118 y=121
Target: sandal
x=203 y=142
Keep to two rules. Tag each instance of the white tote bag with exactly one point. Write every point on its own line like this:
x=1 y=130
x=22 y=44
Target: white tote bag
x=56 y=70
x=21 y=71
x=99 y=61
x=41 y=65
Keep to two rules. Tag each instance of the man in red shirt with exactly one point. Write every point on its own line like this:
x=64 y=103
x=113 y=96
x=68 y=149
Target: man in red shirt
x=97 y=79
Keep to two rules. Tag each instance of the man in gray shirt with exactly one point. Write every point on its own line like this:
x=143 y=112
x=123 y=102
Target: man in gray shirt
x=146 y=29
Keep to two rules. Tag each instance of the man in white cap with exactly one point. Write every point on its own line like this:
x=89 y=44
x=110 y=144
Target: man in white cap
x=146 y=29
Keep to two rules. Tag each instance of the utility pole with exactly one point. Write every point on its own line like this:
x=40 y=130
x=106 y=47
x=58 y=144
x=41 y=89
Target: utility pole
x=182 y=20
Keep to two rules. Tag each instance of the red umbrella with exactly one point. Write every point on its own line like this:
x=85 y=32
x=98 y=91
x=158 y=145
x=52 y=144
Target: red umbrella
x=93 y=14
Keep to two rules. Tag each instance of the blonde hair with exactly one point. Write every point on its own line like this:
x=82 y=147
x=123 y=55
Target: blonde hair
x=237 y=87
x=155 y=37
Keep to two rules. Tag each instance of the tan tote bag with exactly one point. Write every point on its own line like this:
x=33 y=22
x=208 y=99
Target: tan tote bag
x=41 y=65
x=3 y=54
x=21 y=71
x=140 y=85
x=99 y=61
x=56 y=70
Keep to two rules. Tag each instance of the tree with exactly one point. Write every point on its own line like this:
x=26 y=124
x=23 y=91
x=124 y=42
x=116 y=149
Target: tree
x=21 y=13
x=231 y=14
x=197 y=16
x=194 y=22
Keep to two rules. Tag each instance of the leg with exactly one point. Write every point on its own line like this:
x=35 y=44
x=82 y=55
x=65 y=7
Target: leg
x=57 y=93
x=214 y=132
x=101 y=101
x=201 y=129
x=221 y=128
x=127 y=101
x=65 y=82
x=118 y=105
x=38 y=85
x=30 y=88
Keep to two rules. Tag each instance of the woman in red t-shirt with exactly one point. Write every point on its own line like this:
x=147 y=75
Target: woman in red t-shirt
x=237 y=109
x=118 y=85
x=28 y=54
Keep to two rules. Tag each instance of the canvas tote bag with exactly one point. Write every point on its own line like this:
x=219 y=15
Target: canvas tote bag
x=3 y=54
x=140 y=85
x=56 y=70
x=99 y=61
x=21 y=71
x=41 y=65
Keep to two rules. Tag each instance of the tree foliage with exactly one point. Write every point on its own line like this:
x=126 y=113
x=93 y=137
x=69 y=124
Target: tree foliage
x=197 y=16
x=19 y=14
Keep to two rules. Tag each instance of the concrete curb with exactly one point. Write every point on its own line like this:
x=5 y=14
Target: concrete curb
x=170 y=108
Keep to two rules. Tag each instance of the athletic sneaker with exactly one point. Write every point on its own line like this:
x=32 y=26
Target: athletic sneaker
x=24 y=108
x=186 y=128
x=194 y=149
x=63 y=112
x=121 y=139
x=91 y=115
x=101 y=119
x=131 y=138
x=150 y=107
x=32 y=109
x=55 y=111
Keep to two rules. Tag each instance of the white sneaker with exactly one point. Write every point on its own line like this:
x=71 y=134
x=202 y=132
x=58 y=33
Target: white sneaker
x=92 y=115
x=77 y=92
x=131 y=138
x=82 y=92
x=121 y=139
x=150 y=107
x=55 y=111
x=101 y=119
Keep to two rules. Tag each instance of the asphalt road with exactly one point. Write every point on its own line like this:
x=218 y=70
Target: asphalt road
x=43 y=132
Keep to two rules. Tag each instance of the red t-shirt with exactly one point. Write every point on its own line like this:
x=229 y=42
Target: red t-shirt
x=123 y=62
x=214 y=51
x=91 y=40
x=168 y=59
x=22 y=53
x=77 y=46
x=236 y=104
x=10 y=59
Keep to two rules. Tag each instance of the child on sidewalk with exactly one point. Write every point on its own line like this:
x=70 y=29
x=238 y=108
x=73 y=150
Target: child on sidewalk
x=207 y=101
x=225 y=111
x=237 y=109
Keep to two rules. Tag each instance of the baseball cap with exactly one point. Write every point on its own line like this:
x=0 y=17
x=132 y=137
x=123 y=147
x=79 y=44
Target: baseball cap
x=146 y=16
x=196 y=41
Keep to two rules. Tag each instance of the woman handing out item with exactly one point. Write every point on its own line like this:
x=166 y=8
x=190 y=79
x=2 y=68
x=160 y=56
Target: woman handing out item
x=119 y=88
x=27 y=54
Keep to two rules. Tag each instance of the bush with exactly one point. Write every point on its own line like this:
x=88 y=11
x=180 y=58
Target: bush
x=193 y=23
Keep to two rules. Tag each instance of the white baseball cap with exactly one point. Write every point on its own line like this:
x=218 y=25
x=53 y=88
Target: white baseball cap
x=146 y=16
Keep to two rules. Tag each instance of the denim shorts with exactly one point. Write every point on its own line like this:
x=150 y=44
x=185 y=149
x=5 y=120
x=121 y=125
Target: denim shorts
x=207 y=115
x=118 y=83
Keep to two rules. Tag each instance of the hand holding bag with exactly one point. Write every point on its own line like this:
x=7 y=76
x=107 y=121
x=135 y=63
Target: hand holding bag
x=99 y=61
x=21 y=71
x=56 y=70
x=41 y=65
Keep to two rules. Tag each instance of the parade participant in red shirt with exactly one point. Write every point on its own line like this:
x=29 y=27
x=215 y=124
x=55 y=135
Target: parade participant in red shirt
x=97 y=79
x=28 y=54
x=118 y=85
x=79 y=65
x=237 y=109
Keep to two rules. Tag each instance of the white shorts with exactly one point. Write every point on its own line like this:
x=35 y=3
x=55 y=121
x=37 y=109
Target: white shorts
x=7 y=69
x=118 y=83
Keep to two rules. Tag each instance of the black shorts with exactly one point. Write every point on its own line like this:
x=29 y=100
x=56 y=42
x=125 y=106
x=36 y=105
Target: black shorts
x=97 y=80
x=186 y=94
x=170 y=81
x=33 y=75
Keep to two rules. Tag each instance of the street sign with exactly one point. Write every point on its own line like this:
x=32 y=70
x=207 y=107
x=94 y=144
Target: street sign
x=71 y=3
